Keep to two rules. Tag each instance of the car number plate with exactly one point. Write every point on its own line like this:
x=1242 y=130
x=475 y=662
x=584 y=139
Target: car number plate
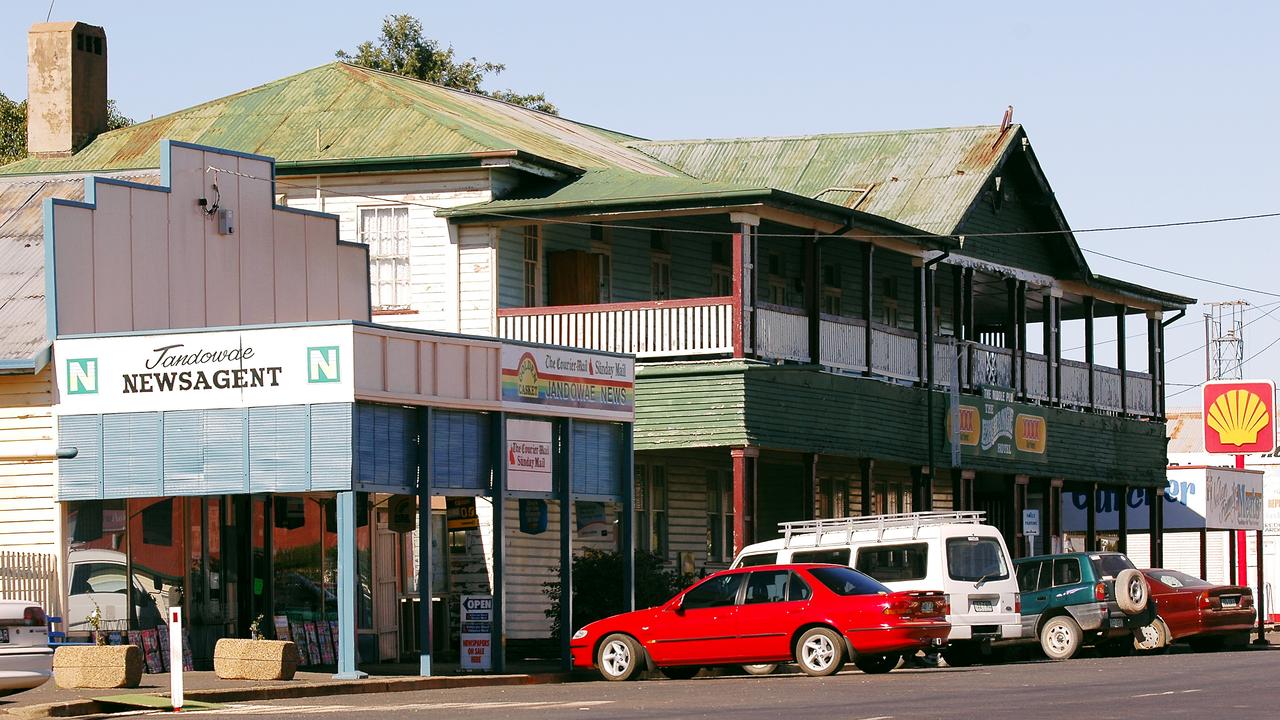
x=926 y=607
x=4 y=635
x=983 y=606
x=1230 y=602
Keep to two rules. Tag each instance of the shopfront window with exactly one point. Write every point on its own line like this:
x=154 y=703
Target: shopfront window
x=300 y=535
x=156 y=543
x=97 y=565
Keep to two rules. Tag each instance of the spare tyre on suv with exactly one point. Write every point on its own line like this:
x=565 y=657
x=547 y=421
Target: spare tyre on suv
x=1072 y=600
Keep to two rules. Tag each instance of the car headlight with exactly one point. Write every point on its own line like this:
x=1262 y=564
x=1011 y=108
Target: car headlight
x=580 y=634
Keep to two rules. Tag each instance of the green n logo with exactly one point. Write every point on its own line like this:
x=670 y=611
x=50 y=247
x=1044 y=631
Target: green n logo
x=82 y=376
x=322 y=364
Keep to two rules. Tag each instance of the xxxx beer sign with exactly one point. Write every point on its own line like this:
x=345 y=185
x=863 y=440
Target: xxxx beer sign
x=993 y=428
x=1239 y=416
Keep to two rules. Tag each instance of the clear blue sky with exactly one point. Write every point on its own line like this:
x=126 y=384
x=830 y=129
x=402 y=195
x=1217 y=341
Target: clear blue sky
x=1139 y=112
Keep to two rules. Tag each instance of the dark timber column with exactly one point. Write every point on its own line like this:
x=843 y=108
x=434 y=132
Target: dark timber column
x=866 y=466
x=868 y=299
x=1091 y=528
x=918 y=322
x=811 y=492
x=563 y=475
x=744 y=283
x=1052 y=342
x=970 y=326
x=1160 y=365
x=426 y=634
x=813 y=296
x=628 y=523
x=1021 y=358
x=1020 y=483
x=498 y=639
x=1156 y=524
x=1053 y=508
x=1124 y=517
x=1011 y=328
x=1121 y=361
x=1155 y=365
x=1088 y=346
x=957 y=303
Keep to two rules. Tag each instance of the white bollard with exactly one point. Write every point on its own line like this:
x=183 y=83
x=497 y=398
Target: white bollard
x=175 y=657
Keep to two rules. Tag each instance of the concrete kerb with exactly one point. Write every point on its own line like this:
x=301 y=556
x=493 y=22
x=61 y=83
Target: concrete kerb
x=82 y=708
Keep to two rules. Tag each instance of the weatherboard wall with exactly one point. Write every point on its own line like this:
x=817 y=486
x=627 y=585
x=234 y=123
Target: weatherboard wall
x=734 y=404
x=28 y=514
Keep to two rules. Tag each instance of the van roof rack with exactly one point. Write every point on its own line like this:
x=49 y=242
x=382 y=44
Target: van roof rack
x=849 y=525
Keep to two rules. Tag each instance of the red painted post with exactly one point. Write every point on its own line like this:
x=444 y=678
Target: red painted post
x=739 y=498
x=1242 y=543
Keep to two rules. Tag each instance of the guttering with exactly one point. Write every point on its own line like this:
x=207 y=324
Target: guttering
x=30 y=366
x=1181 y=313
x=407 y=163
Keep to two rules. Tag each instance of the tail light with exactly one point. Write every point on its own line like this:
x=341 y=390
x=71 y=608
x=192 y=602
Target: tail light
x=34 y=617
x=1246 y=598
x=1017 y=604
x=909 y=606
x=1205 y=602
x=901 y=606
x=1100 y=592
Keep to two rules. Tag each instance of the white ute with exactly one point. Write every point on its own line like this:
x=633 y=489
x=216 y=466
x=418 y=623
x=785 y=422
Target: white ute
x=26 y=661
x=949 y=551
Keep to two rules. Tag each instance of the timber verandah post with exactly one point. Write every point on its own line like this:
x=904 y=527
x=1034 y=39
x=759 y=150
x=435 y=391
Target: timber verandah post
x=744 y=283
x=1121 y=361
x=498 y=635
x=868 y=302
x=426 y=633
x=1088 y=348
x=813 y=296
x=740 y=456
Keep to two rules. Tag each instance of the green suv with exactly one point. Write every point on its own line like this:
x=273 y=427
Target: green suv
x=1076 y=599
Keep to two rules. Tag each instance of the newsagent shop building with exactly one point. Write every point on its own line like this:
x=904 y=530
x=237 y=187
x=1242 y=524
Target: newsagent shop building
x=238 y=440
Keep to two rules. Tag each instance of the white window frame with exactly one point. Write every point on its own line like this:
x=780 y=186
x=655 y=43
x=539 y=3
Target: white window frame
x=531 y=265
x=395 y=259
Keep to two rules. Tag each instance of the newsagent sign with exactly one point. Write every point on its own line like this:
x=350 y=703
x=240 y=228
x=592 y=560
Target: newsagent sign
x=556 y=377
x=204 y=370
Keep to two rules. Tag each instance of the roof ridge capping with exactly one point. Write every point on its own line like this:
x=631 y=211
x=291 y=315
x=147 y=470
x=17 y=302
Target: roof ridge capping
x=820 y=136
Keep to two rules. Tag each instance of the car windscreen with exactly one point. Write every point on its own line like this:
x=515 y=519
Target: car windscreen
x=846 y=581
x=1110 y=565
x=1175 y=579
x=976 y=559
x=767 y=558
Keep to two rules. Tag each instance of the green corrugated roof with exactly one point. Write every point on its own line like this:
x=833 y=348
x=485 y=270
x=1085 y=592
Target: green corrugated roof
x=342 y=112
x=922 y=178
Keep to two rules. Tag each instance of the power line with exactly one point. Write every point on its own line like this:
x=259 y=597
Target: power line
x=1181 y=275
x=1136 y=336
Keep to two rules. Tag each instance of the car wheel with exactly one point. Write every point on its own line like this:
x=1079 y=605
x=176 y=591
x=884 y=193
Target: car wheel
x=820 y=652
x=680 y=672
x=877 y=664
x=618 y=657
x=1060 y=637
x=1132 y=591
x=1153 y=638
x=961 y=654
x=760 y=668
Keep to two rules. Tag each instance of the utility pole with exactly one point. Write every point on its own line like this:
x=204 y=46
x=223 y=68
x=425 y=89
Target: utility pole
x=1224 y=340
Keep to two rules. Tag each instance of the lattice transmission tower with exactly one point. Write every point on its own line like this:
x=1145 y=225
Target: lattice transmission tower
x=1224 y=340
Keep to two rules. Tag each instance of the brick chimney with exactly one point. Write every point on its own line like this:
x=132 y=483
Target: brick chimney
x=66 y=87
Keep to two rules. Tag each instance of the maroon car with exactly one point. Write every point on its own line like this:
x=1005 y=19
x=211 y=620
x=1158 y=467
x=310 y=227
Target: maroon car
x=818 y=616
x=1191 y=610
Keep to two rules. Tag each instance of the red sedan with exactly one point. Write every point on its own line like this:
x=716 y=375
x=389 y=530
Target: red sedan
x=815 y=615
x=1189 y=609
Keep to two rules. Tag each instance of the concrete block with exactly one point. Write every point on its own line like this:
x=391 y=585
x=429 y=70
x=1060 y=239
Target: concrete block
x=98 y=666
x=237 y=659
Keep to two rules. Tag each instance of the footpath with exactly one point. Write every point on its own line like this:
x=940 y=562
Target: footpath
x=51 y=701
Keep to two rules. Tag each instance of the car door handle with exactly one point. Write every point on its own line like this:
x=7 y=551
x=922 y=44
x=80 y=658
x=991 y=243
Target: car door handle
x=1042 y=597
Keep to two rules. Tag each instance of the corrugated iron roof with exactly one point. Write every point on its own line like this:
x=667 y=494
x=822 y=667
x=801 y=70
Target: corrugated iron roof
x=23 y=322
x=340 y=111
x=922 y=178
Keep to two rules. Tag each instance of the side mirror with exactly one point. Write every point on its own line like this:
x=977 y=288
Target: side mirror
x=678 y=606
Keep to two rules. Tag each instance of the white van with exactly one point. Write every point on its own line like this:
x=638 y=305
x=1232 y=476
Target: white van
x=948 y=551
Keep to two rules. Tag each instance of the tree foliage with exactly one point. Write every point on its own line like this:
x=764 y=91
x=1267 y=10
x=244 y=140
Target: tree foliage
x=597 y=586
x=13 y=127
x=403 y=49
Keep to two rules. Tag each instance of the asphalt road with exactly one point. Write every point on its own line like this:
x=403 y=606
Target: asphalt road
x=1216 y=685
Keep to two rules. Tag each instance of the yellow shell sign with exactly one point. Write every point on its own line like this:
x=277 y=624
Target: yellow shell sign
x=1238 y=416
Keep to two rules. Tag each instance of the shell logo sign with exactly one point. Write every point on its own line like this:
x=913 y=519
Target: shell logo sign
x=1239 y=416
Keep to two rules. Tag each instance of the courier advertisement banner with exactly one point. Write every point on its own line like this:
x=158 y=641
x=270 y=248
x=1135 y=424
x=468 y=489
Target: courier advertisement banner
x=568 y=378
x=529 y=463
x=995 y=427
x=205 y=370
